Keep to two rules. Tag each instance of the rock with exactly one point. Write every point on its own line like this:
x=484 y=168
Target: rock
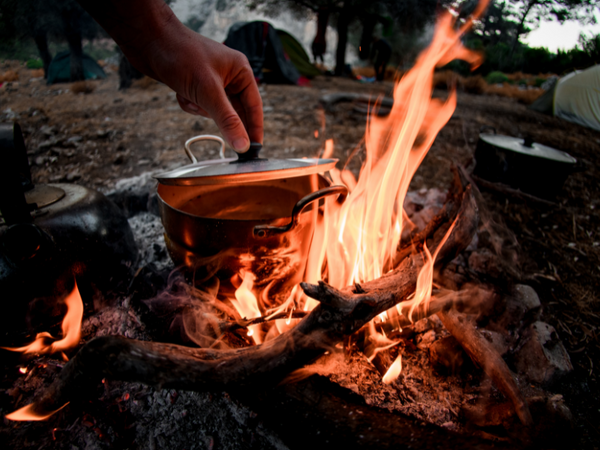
x=497 y=340
x=484 y=414
x=73 y=176
x=426 y=339
x=423 y=325
x=542 y=356
x=554 y=423
x=529 y=299
x=446 y=356
x=136 y=194
x=519 y=309
x=47 y=130
x=483 y=261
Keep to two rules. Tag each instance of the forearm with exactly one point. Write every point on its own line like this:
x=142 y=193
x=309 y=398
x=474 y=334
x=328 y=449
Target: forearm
x=133 y=24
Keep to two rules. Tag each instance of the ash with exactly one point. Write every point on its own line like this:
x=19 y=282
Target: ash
x=148 y=232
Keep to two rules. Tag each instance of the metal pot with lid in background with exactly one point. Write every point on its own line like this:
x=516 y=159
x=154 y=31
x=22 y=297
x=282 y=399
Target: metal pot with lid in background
x=223 y=217
x=523 y=164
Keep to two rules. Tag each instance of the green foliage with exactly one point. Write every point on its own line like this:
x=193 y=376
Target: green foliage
x=590 y=45
x=34 y=63
x=496 y=78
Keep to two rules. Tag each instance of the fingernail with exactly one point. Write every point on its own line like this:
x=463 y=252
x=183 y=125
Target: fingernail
x=241 y=145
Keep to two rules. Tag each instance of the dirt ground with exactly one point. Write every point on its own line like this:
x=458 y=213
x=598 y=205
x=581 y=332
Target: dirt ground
x=98 y=138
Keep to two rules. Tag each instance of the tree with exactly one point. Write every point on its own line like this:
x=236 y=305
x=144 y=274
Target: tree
x=590 y=45
x=531 y=12
x=407 y=14
x=41 y=19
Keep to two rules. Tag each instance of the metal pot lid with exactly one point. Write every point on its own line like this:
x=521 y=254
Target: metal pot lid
x=527 y=147
x=246 y=168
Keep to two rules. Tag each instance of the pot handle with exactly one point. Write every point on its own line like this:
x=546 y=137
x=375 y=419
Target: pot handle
x=265 y=231
x=204 y=137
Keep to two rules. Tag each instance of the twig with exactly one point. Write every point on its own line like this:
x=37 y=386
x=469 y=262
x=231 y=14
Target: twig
x=504 y=189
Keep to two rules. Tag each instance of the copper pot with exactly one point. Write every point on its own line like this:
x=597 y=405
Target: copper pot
x=264 y=227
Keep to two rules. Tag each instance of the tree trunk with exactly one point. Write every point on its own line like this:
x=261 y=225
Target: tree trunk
x=127 y=73
x=73 y=36
x=366 y=37
x=530 y=5
x=41 y=41
x=319 y=45
x=342 y=29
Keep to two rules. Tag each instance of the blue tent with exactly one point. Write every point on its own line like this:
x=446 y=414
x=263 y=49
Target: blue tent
x=60 y=68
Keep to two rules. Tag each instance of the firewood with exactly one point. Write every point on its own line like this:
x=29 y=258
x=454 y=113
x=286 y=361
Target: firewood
x=485 y=356
x=340 y=313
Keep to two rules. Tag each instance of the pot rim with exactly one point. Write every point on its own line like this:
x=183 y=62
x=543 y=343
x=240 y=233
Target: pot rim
x=518 y=146
x=248 y=167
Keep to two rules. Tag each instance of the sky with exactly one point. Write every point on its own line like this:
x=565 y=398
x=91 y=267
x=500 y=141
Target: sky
x=553 y=35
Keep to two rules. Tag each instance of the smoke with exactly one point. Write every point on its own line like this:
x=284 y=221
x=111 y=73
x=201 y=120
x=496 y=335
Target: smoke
x=194 y=314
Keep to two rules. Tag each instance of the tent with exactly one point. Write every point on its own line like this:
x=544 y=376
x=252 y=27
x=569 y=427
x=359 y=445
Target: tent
x=575 y=97
x=297 y=54
x=263 y=48
x=59 y=70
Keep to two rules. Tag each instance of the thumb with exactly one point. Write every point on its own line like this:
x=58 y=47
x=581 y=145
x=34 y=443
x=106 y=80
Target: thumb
x=230 y=124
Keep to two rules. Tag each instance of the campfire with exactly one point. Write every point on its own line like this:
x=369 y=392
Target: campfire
x=389 y=319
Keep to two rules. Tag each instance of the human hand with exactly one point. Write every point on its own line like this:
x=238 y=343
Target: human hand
x=210 y=80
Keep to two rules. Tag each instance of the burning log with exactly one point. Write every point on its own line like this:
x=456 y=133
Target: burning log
x=340 y=313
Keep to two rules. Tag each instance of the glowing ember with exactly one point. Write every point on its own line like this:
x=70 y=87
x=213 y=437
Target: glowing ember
x=71 y=330
x=23 y=370
x=393 y=372
x=28 y=413
x=247 y=306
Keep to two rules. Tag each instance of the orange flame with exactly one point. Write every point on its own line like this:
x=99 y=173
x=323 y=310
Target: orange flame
x=394 y=371
x=246 y=304
x=367 y=229
x=357 y=242
x=360 y=238
x=28 y=413
x=425 y=278
x=71 y=330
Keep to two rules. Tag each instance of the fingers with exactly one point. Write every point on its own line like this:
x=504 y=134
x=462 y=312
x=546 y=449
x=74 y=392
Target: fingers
x=246 y=100
x=225 y=116
x=214 y=81
x=228 y=121
x=191 y=108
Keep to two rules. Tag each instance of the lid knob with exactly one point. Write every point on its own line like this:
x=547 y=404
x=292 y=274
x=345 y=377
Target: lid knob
x=528 y=141
x=250 y=155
